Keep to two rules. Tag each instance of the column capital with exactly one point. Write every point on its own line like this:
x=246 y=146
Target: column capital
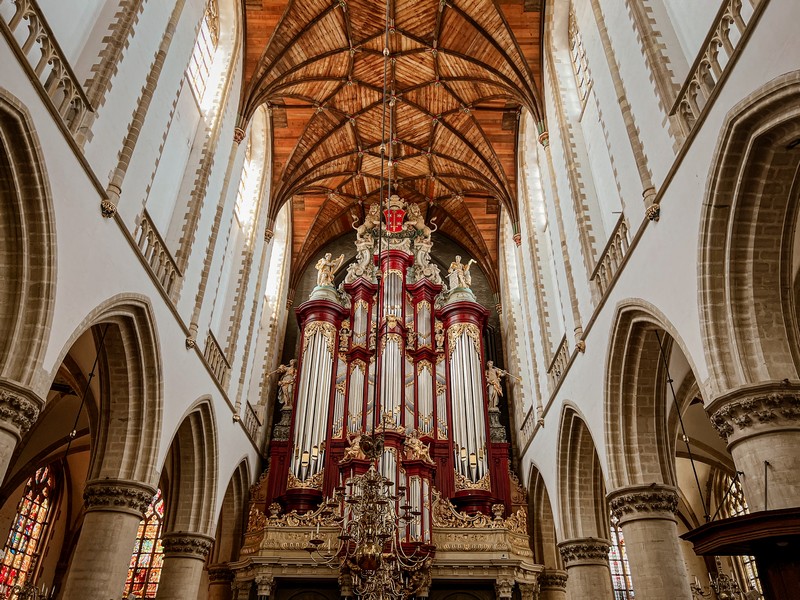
x=752 y=410
x=118 y=495
x=634 y=502
x=19 y=408
x=504 y=587
x=528 y=591
x=584 y=551
x=220 y=573
x=553 y=579
x=184 y=544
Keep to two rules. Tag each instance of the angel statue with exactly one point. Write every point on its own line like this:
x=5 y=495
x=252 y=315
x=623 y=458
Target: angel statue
x=493 y=386
x=326 y=268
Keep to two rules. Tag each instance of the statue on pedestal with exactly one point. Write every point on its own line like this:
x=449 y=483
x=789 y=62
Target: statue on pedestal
x=326 y=268
x=493 y=385
x=459 y=275
x=286 y=383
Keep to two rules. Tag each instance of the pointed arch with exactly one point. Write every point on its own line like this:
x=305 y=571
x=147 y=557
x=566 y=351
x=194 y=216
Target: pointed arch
x=232 y=515
x=542 y=523
x=747 y=272
x=583 y=509
x=190 y=472
x=640 y=429
x=27 y=246
x=125 y=445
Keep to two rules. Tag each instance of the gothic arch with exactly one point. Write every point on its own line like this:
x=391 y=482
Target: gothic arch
x=232 y=516
x=747 y=264
x=190 y=473
x=584 y=513
x=131 y=388
x=640 y=433
x=543 y=533
x=27 y=246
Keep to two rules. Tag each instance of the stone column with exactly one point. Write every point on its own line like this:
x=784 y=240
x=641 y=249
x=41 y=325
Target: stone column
x=586 y=560
x=265 y=585
x=220 y=578
x=646 y=516
x=100 y=562
x=19 y=409
x=553 y=585
x=184 y=558
x=762 y=427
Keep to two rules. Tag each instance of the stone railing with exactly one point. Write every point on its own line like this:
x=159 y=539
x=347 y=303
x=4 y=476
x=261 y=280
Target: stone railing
x=28 y=32
x=155 y=253
x=252 y=424
x=216 y=360
x=731 y=27
x=559 y=363
x=611 y=258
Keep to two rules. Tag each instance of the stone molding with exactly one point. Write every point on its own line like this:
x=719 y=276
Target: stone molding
x=584 y=551
x=220 y=574
x=750 y=410
x=553 y=580
x=186 y=545
x=118 y=495
x=19 y=408
x=638 y=502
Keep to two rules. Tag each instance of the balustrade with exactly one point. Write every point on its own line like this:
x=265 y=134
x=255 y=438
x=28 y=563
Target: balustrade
x=155 y=253
x=27 y=30
x=216 y=360
x=252 y=424
x=730 y=28
x=559 y=363
x=612 y=256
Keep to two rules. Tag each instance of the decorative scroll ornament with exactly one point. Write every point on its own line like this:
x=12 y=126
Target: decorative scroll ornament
x=327 y=330
x=444 y=514
x=456 y=331
x=313 y=483
x=323 y=516
x=518 y=493
x=484 y=483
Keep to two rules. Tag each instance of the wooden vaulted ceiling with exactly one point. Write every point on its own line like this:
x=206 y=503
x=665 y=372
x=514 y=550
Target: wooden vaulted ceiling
x=459 y=72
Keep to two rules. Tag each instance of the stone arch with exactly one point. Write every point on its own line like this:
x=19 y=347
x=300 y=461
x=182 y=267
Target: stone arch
x=27 y=246
x=641 y=424
x=125 y=444
x=583 y=508
x=542 y=524
x=232 y=516
x=189 y=478
x=747 y=272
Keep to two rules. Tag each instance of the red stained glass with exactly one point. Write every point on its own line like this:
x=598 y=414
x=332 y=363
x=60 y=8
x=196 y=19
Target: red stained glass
x=28 y=530
x=145 y=570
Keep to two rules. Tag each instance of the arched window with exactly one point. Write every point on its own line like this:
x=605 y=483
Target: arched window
x=28 y=531
x=204 y=49
x=577 y=54
x=618 y=562
x=735 y=505
x=148 y=555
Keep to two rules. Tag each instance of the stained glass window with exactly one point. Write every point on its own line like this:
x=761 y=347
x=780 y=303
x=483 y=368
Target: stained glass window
x=735 y=505
x=618 y=562
x=144 y=571
x=204 y=49
x=28 y=530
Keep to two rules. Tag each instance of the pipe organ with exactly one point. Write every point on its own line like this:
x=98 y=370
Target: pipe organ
x=393 y=350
